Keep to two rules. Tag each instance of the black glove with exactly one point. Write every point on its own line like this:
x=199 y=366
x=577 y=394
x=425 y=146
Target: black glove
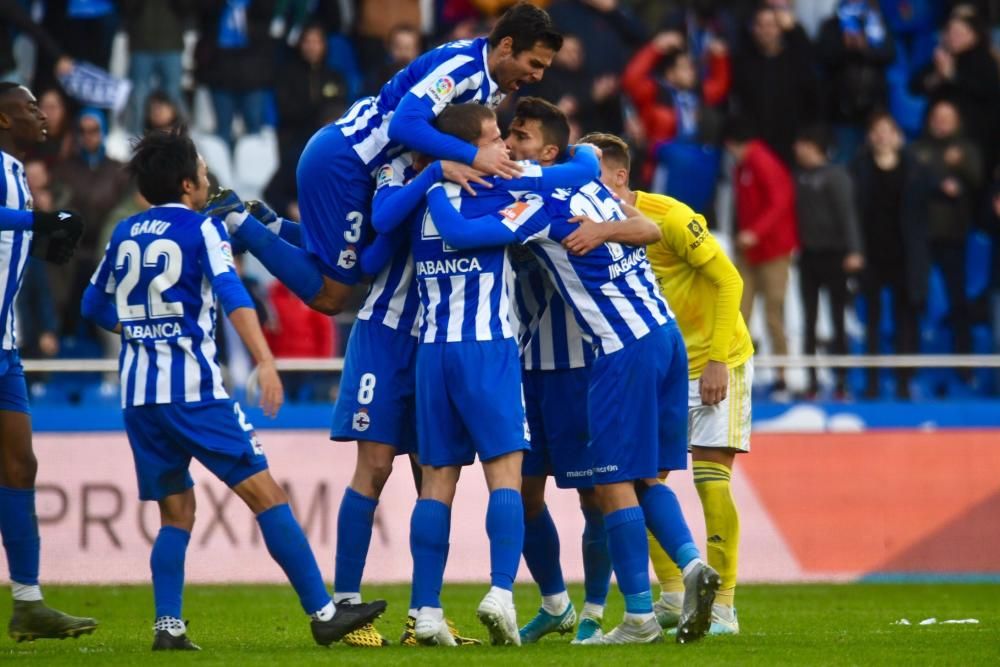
x=56 y=235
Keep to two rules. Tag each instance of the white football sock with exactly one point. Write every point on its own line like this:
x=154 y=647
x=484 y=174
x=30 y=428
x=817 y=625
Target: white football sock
x=26 y=592
x=326 y=613
x=555 y=604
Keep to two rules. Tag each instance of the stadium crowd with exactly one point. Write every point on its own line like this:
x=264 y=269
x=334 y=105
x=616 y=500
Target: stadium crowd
x=846 y=145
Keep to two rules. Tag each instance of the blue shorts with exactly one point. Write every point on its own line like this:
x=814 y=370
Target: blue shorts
x=468 y=402
x=165 y=437
x=555 y=403
x=376 y=400
x=13 y=390
x=335 y=192
x=638 y=408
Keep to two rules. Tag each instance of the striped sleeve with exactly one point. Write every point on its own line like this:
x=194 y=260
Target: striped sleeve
x=216 y=252
x=525 y=218
x=103 y=278
x=450 y=80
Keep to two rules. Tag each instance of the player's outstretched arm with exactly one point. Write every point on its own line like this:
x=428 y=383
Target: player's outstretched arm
x=98 y=308
x=412 y=126
x=376 y=255
x=722 y=273
x=394 y=204
x=461 y=232
x=637 y=230
x=14 y=220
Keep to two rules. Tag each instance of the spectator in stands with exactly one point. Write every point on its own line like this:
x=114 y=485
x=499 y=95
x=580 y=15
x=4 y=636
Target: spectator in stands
x=235 y=59
x=295 y=331
x=766 y=238
x=60 y=144
x=96 y=184
x=955 y=172
x=830 y=242
x=855 y=49
x=14 y=15
x=161 y=113
x=155 y=31
x=589 y=103
x=774 y=81
x=889 y=192
x=672 y=102
x=309 y=95
x=85 y=29
x=964 y=72
x=402 y=47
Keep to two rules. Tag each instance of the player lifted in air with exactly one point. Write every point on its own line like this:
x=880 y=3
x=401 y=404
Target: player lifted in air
x=51 y=236
x=637 y=393
x=703 y=289
x=157 y=285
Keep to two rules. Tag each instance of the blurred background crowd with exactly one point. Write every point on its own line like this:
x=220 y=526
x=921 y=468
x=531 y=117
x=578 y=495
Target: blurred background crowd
x=845 y=151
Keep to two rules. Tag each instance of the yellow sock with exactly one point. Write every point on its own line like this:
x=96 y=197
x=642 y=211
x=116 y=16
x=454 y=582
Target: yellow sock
x=722 y=524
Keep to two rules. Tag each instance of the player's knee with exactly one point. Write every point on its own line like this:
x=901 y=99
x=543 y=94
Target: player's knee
x=20 y=469
x=260 y=492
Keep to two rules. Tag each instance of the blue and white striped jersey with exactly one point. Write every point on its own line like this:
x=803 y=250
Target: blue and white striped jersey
x=464 y=293
x=612 y=289
x=548 y=335
x=392 y=297
x=14 y=245
x=453 y=73
x=160 y=268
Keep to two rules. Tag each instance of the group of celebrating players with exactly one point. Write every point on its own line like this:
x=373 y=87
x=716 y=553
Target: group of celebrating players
x=525 y=307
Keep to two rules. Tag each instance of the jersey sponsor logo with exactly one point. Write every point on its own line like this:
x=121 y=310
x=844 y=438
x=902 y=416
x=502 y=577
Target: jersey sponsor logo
x=695 y=228
x=432 y=267
x=226 y=250
x=605 y=469
x=157 y=227
x=348 y=258
x=627 y=263
x=160 y=330
x=514 y=210
x=441 y=89
x=384 y=176
x=361 y=421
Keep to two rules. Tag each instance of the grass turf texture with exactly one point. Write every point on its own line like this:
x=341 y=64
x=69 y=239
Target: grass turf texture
x=806 y=624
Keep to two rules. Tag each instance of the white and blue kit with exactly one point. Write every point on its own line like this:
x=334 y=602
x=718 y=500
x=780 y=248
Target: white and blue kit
x=377 y=387
x=15 y=245
x=637 y=395
x=336 y=170
x=159 y=278
x=555 y=357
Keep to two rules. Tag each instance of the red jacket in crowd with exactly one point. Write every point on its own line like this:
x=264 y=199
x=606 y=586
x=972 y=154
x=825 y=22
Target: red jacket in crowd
x=296 y=330
x=656 y=113
x=765 y=203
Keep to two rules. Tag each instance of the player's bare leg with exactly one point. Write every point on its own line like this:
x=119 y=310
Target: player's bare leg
x=31 y=619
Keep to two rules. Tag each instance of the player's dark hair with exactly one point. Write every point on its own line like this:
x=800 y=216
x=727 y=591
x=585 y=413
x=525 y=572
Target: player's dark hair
x=464 y=121
x=612 y=147
x=816 y=134
x=161 y=161
x=880 y=114
x=7 y=86
x=526 y=25
x=555 y=126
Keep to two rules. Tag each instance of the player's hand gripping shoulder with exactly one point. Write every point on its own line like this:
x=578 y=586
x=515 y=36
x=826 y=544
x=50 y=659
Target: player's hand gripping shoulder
x=56 y=235
x=463 y=175
x=494 y=159
x=637 y=230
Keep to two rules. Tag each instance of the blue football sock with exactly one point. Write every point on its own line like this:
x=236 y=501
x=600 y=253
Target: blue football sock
x=629 y=549
x=167 y=563
x=354 y=534
x=665 y=520
x=505 y=528
x=289 y=547
x=430 y=526
x=292 y=265
x=596 y=558
x=541 y=553
x=19 y=528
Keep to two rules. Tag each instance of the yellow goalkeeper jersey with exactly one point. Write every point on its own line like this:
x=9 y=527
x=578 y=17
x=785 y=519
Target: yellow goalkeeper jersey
x=678 y=260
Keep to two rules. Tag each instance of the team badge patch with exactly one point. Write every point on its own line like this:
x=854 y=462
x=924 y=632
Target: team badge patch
x=348 y=258
x=227 y=254
x=440 y=90
x=258 y=449
x=695 y=228
x=384 y=176
x=361 y=421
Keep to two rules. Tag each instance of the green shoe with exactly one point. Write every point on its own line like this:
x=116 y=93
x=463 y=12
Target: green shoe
x=33 y=620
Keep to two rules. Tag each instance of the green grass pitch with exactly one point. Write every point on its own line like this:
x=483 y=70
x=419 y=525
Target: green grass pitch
x=802 y=625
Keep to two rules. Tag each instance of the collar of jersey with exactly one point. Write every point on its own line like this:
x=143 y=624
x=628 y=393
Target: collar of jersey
x=494 y=86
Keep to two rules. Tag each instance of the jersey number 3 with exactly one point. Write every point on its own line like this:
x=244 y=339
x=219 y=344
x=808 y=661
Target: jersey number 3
x=130 y=254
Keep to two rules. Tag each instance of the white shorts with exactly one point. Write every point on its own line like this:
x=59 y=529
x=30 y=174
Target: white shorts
x=725 y=424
